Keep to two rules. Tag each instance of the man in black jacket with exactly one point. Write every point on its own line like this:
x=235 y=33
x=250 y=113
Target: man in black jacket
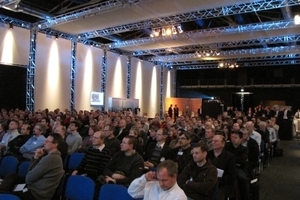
x=199 y=178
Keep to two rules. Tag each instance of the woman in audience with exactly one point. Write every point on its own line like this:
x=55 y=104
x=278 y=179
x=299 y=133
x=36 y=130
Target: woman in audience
x=140 y=142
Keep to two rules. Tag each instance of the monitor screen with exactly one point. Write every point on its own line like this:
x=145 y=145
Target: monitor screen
x=97 y=98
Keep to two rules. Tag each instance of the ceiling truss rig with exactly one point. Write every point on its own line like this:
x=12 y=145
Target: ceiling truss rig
x=250 y=64
x=284 y=24
x=233 y=44
x=95 y=9
x=192 y=16
x=291 y=56
x=242 y=52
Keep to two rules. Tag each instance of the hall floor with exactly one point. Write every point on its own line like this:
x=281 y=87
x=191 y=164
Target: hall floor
x=281 y=179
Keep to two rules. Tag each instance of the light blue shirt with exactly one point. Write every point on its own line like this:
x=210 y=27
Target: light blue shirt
x=32 y=145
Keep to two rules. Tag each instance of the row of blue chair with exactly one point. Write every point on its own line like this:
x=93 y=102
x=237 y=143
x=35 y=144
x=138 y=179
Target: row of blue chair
x=83 y=188
x=10 y=164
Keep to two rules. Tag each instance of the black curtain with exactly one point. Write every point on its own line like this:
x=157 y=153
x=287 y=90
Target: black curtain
x=12 y=87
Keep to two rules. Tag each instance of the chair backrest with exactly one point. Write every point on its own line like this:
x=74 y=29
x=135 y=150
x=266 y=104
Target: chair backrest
x=114 y=192
x=74 y=160
x=9 y=165
x=9 y=197
x=80 y=188
x=23 y=168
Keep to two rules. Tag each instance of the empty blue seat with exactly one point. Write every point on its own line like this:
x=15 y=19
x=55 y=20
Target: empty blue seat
x=74 y=160
x=8 y=197
x=23 y=168
x=80 y=188
x=114 y=192
x=9 y=165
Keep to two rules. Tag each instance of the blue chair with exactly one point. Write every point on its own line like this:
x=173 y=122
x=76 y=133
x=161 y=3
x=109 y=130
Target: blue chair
x=23 y=168
x=74 y=160
x=114 y=192
x=80 y=188
x=9 y=165
x=8 y=197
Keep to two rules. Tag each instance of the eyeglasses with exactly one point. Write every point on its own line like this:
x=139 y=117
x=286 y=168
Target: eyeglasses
x=96 y=138
x=47 y=141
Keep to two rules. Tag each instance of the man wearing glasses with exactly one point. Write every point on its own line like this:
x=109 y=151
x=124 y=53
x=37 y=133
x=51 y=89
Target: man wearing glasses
x=182 y=154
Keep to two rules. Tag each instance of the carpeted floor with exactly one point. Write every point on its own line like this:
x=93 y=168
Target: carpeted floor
x=281 y=180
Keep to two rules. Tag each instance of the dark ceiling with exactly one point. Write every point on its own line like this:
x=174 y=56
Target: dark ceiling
x=241 y=31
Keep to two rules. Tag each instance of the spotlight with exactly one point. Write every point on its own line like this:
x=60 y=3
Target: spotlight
x=156 y=32
x=297 y=19
x=179 y=29
x=168 y=31
x=163 y=32
x=174 y=30
x=56 y=37
x=11 y=26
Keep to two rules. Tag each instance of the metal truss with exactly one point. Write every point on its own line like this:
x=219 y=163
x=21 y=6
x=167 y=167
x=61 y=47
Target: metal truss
x=233 y=44
x=30 y=87
x=161 y=91
x=128 y=77
x=244 y=59
x=95 y=9
x=192 y=16
x=103 y=77
x=15 y=22
x=247 y=64
x=58 y=34
x=72 y=73
x=284 y=24
x=275 y=50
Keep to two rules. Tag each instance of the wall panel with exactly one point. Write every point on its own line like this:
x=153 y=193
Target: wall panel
x=88 y=75
x=52 y=80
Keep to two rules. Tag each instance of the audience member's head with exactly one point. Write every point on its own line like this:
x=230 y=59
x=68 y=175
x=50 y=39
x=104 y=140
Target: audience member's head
x=167 y=174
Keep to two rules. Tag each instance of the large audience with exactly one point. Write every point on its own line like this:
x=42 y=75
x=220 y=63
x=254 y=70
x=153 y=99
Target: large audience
x=208 y=152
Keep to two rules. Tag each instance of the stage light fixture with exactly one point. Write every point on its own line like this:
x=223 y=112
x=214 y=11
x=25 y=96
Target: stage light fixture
x=11 y=26
x=174 y=31
x=179 y=29
x=163 y=32
x=297 y=19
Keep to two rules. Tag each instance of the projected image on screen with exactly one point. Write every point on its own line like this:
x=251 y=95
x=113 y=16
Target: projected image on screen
x=96 y=98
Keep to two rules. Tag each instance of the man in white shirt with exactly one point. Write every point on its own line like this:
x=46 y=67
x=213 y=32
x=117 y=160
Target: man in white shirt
x=253 y=134
x=161 y=185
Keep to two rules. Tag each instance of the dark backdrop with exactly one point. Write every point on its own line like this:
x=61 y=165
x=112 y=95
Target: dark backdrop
x=12 y=87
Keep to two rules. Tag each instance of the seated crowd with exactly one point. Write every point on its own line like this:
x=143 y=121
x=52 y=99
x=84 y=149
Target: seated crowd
x=182 y=158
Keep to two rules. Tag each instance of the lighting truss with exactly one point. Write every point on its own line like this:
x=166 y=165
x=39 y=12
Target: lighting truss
x=72 y=74
x=233 y=44
x=30 y=86
x=250 y=64
x=244 y=59
x=284 y=24
x=15 y=22
x=192 y=16
x=274 y=50
x=88 y=11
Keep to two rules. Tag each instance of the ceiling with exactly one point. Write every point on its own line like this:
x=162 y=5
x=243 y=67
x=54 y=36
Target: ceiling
x=248 y=32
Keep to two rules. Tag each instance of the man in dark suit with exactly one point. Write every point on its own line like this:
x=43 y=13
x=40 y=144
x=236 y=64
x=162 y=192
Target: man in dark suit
x=170 y=111
x=157 y=152
x=253 y=152
x=285 y=124
x=121 y=131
